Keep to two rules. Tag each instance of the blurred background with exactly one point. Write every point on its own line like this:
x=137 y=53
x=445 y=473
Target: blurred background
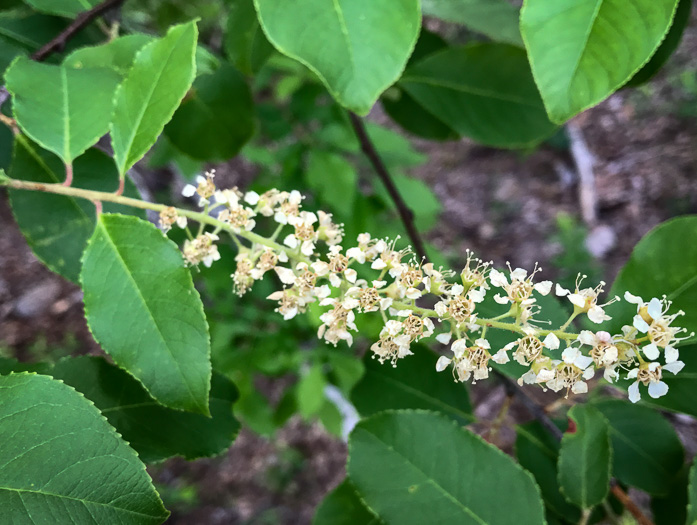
x=577 y=203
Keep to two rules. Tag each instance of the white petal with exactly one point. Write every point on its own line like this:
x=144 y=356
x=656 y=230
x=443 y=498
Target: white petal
x=577 y=300
x=188 y=190
x=351 y=275
x=633 y=373
x=587 y=337
x=252 y=197
x=291 y=241
x=500 y=300
x=671 y=354
x=545 y=375
x=500 y=357
x=635 y=299
x=560 y=291
x=610 y=375
x=658 y=389
x=477 y=295
x=497 y=278
x=579 y=387
x=674 y=367
x=181 y=222
x=570 y=355
x=640 y=324
x=588 y=373
x=543 y=287
x=551 y=341
x=582 y=361
x=285 y=274
x=633 y=391
x=321 y=268
x=308 y=248
x=378 y=264
x=597 y=315
x=654 y=308
x=442 y=363
x=651 y=351
x=519 y=274
x=444 y=338
x=457 y=289
x=283 y=257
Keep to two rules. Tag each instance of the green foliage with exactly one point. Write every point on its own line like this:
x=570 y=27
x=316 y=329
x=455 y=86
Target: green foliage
x=384 y=387
x=342 y=506
x=56 y=227
x=310 y=392
x=161 y=74
x=585 y=458
x=692 y=496
x=538 y=452
x=95 y=477
x=217 y=117
x=647 y=452
x=357 y=47
x=64 y=109
x=496 y=19
x=245 y=43
x=495 y=106
x=334 y=180
x=417 y=483
x=157 y=333
x=69 y=8
x=154 y=431
x=581 y=52
x=664 y=262
x=118 y=54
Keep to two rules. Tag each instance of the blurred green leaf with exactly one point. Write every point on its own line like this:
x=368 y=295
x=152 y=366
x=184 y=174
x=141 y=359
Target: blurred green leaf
x=245 y=43
x=482 y=91
x=154 y=431
x=68 y=8
x=585 y=458
x=497 y=19
x=118 y=54
x=537 y=451
x=343 y=506
x=413 y=384
x=334 y=179
x=310 y=392
x=647 y=452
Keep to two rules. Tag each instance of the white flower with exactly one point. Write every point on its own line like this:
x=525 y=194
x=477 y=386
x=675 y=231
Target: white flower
x=442 y=363
x=551 y=341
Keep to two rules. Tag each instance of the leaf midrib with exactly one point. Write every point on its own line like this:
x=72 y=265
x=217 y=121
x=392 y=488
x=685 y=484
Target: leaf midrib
x=467 y=89
x=85 y=502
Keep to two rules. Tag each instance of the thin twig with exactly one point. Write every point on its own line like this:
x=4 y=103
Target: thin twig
x=405 y=213
x=77 y=25
x=624 y=498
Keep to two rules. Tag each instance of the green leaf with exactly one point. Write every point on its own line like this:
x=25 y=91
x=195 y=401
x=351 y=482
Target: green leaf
x=216 y=119
x=418 y=196
x=62 y=463
x=245 y=43
x=414 y=118
x=358 y=48
x=9 y=365
x=57 y=227
x=482 y=91
x=692 y=496
x=647 y=452
x=664 y=262
x=407 y=477
x=69 y=8
x=334 y=179
x=342 y=506
x=154 y=431
x=672 y=508
x=582 y=51
x=668 y=46
x=63 y=109
x=310 y=392
x=537 y=451
x=142 y=307
x=117 y=54
x=413 y=384
x=585 y=458
x=146 y=100
x=497 y=19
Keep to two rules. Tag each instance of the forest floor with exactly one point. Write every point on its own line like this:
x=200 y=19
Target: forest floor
x=506 y=206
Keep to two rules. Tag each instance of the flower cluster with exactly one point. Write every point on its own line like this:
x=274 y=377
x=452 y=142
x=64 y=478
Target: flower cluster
x=306 y=256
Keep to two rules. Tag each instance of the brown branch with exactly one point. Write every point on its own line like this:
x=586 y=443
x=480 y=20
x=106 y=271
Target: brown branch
x=77 y=25
x=632 y=507
x=405 y=213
